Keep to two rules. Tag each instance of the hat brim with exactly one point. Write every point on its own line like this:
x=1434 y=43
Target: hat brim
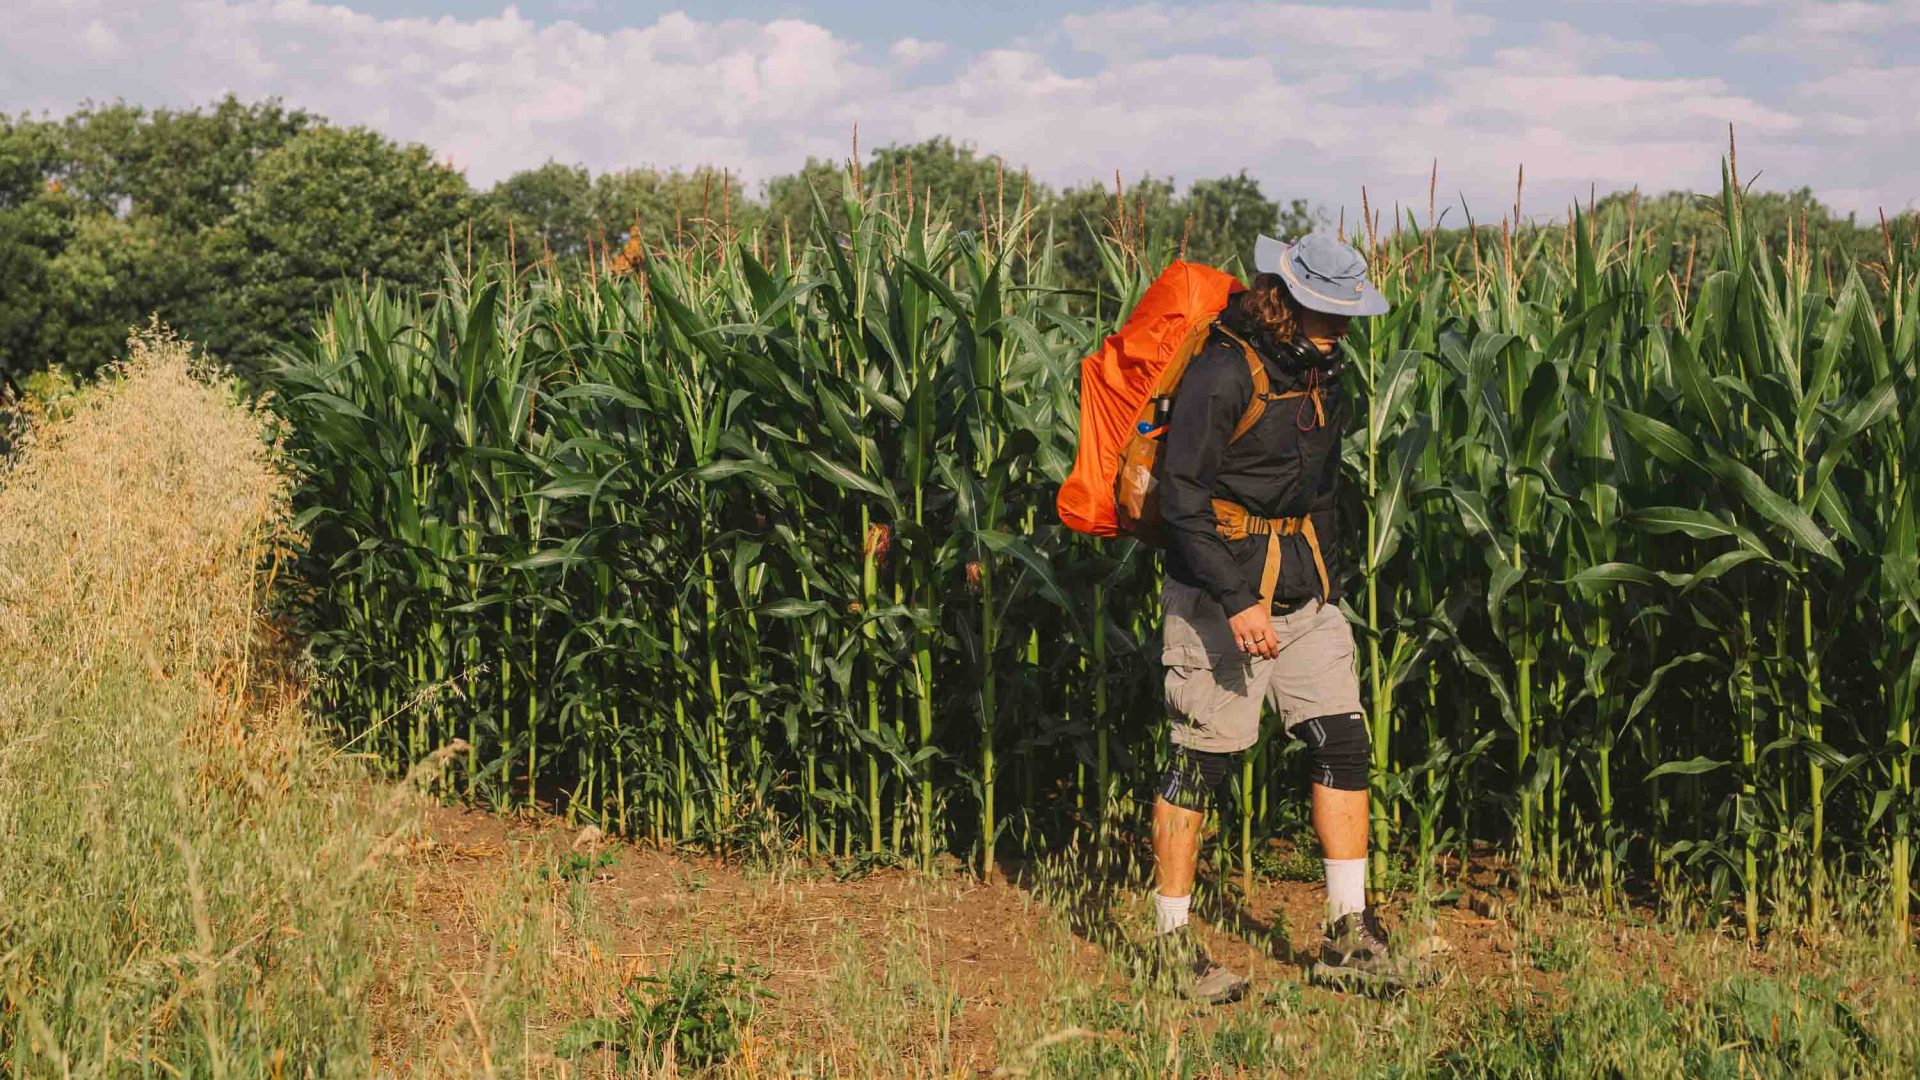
x=1270 y=256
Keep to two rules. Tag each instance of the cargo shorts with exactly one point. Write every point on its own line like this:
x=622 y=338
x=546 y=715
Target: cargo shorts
x=1214 y=691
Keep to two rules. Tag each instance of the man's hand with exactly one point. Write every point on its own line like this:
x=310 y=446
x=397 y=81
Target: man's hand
x=1253 y=632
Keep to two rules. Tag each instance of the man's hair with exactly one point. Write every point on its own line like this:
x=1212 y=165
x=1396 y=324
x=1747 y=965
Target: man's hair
x=1269 y=307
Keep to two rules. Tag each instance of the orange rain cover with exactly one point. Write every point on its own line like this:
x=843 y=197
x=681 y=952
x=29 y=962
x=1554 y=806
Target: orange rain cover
x=1116 y=382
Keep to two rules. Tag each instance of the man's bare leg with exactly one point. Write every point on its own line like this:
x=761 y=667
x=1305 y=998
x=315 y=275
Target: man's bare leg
x=1355 y=952
x=1340 y=819
x=1176 y=855
x=1176 y=848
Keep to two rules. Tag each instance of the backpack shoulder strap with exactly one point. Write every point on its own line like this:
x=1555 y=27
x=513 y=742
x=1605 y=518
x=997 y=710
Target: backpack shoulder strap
x=1183 y=354
x=1262 y=387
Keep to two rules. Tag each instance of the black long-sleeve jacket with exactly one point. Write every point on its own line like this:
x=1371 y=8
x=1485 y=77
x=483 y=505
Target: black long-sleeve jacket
x=1286 y=465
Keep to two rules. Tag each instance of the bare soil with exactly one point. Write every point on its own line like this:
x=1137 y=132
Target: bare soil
x=993 y=945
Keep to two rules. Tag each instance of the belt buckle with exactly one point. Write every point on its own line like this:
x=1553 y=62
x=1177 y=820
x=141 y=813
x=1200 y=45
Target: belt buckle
x=1288 y=607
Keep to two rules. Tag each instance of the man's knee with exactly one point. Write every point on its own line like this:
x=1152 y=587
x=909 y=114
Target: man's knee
x=1341 y=750
x=1192 y=776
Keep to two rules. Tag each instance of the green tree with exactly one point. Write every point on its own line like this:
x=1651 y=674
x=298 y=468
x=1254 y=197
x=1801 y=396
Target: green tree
x=1693 y=229
x=670 y=205
x=1693 y=225
x=115 y=273
x=1083 y=213
x=1221 y=218
x=106 y=218
x=790 y=198
x=184 y=167
x=333 y=204
x=549 y=210
x=36 y=220
x=955 y=179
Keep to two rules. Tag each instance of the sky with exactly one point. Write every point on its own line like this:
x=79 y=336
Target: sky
x=1314 y=100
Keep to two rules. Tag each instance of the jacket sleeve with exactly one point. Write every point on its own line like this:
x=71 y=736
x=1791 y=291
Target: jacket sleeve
x=1213 y=396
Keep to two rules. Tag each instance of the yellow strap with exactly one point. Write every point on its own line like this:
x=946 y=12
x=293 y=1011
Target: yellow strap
x=1262 y=389
x=1257 y=371
x=1233 y=522
x=1319 y=561
x=1270 y=574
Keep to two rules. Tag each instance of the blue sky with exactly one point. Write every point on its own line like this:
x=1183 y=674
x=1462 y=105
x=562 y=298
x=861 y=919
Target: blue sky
x=1315 y=100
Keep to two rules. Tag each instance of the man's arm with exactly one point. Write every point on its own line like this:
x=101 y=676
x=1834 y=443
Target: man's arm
x=1212 y=397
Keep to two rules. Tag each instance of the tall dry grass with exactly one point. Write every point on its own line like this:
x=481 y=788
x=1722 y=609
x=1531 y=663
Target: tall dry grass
x=131 y=530
x=187 y=880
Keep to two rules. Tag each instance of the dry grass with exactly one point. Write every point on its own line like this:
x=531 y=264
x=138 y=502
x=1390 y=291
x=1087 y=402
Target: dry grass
x=188 y=878
x=133 y=528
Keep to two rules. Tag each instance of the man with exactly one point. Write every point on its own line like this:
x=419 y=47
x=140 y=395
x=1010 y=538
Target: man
x=1250 y=604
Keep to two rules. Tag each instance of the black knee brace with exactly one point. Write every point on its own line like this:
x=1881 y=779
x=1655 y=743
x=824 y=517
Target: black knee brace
x=1192 y=776
x=1340 y=750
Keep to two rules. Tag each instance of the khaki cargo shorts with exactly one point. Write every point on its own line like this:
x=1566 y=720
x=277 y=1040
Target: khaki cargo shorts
x=1214 y=691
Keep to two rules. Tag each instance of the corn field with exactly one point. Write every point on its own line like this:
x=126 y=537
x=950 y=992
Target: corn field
x=762 y=531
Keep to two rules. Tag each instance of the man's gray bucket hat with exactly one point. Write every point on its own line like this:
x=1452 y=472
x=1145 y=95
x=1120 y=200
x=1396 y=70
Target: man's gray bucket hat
x=1322 y=273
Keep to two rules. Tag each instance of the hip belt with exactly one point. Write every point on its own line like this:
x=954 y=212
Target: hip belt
x=1234 y=522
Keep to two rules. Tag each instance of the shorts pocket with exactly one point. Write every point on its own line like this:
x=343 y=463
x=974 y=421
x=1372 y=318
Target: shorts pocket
x=1195 y=632
x=1210 y=708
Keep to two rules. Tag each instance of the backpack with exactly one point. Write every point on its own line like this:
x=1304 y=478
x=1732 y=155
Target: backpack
x=1126 y=395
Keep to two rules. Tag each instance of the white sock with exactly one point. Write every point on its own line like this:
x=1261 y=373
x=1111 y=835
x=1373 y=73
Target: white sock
x=1346 y=886
x=1170 y=912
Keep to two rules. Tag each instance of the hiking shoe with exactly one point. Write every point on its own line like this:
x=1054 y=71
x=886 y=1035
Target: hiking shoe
x=1355 y=956
x=1179 y=960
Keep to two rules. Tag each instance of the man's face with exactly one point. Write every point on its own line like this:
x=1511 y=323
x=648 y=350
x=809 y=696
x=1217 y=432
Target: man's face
x=1325 y=331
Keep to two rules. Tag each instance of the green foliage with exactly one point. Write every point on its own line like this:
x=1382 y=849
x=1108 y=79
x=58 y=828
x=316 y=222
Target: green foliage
x=578 y=866
x=791 y=198
x=1556 y=953
x=1746 y=1025
x=1297 y=861
x=51 y=392
x=186 y=168
x=776 y=532
x=1222 y=217
x=1214 y=220
x=233 y=223
x=670 y=206
x=559 y=213
x=329 y=206
x=550 y=209
x=691 y=1017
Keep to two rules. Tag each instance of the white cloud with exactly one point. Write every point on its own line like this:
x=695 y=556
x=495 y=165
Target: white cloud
x=100 y=40
x=1380 y=41
x=495 y=93
x=1312 y=100
x=910 y=51
x=1560 y=47
x=1847 y=31
x=1869 y=101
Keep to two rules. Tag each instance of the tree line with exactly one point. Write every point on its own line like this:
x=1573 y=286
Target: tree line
x=237 y=222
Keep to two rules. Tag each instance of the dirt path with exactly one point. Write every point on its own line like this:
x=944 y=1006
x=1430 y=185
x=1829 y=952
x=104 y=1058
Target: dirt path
x=945 y=972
